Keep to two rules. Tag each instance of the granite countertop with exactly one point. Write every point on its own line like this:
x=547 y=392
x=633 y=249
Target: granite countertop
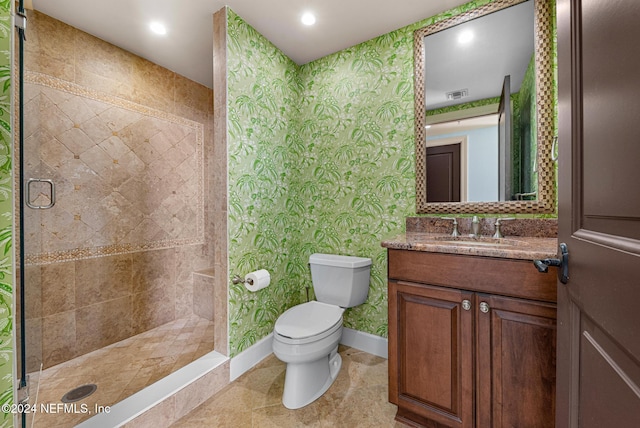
x=517 y=247
x=525 y=239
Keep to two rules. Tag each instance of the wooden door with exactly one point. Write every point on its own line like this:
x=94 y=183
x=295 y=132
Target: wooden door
x=430 y=357
x=599 y=213
x=443 y=173
x=515 y=362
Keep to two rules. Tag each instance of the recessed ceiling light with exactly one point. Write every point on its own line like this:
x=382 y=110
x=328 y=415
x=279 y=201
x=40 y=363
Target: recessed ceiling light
x=158 y=28
x=465 y=37
x=308 y=18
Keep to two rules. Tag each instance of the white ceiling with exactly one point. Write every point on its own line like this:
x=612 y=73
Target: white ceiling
x=503 y=45
x=187 y=47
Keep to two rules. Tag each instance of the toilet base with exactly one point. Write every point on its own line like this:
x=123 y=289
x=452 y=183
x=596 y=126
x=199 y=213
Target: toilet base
x=305 y=383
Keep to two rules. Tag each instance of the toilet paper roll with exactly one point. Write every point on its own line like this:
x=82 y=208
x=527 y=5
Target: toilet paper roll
x=257 y=280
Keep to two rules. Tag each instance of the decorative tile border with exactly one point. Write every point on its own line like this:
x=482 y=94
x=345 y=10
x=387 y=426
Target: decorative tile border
x=108 y=250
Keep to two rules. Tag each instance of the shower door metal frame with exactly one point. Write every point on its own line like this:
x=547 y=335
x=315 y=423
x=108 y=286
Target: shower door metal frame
x=22 y=389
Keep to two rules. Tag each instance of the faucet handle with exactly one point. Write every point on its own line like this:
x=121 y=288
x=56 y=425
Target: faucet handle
x=498 y=233
x=475 y=227
x=455 y=232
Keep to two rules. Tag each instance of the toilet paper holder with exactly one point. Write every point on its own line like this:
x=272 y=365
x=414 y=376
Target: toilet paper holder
x=237 y=279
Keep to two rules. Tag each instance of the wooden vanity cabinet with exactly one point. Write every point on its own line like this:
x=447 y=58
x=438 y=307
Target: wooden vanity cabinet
x=471 y=341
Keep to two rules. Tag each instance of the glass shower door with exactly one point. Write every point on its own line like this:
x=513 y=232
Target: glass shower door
x=35 y=193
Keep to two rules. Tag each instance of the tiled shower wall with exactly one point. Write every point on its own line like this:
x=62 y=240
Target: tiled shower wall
x=119 y=250
x=127 y=177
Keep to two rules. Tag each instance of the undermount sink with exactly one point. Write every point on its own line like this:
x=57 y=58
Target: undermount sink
x=477 y=241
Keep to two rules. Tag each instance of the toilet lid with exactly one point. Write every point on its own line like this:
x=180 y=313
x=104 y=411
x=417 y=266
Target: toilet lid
x=308 y=319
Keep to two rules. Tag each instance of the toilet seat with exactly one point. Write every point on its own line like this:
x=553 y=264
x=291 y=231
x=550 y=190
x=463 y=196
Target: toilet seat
x=308 y=321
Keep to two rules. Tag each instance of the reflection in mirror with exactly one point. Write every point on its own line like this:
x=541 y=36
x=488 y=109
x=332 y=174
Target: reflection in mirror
x=478 y=161
x=484 y=61
x=481 y=138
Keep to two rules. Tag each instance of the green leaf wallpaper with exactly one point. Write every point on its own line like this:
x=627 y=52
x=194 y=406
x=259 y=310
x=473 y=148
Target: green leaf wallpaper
x=357 y=110
x=6 y=216
x=263 y=214
x=321 y=159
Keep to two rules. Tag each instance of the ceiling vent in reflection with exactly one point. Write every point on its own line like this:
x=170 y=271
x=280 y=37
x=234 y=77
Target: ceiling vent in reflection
x=456 y=95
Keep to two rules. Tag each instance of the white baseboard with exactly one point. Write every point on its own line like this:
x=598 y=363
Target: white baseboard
x=367 y=342
x=251 y=356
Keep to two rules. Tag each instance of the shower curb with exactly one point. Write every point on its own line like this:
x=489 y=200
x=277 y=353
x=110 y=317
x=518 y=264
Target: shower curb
x=170 y=398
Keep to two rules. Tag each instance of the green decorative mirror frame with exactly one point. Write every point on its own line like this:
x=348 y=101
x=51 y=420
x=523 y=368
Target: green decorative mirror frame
x=544 y=81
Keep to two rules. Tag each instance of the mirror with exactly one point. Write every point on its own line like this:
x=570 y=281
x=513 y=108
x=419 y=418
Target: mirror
x=485 y=129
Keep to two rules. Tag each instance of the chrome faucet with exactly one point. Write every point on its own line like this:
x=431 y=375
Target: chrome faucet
x=498 y=233
x=454 y=233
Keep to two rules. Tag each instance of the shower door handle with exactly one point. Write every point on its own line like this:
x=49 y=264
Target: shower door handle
x=52 y=194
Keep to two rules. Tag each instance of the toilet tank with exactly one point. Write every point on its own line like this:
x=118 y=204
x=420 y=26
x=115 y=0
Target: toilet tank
x=340 y=280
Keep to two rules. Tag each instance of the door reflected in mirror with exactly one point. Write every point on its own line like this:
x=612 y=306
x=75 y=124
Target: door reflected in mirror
x=458 y=171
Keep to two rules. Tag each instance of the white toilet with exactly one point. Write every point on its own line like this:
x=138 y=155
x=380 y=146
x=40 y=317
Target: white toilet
x=306 y=336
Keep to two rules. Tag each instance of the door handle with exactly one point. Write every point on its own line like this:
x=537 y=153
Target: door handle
x=562 y=264
x=52 y=193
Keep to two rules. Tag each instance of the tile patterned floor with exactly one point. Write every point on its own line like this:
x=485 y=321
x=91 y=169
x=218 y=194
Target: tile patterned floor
x=358 y=398
x=122 y=369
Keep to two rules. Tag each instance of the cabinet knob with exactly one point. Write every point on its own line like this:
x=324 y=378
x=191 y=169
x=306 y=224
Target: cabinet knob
x=484 y=307
x=466 y=305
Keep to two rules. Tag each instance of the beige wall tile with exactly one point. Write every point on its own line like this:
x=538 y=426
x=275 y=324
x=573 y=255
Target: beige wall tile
x=153 y=269
x=33 y=292
x=33 y=337
x=102 y=324
x=220 y=322
x=184 y=299
x=58 y=288
x=203 y=296
x=104 y=84
x=220 y=242
x=153 y=308
x=102 y=279
x=58 y=338
x=193 y=95
x=51 y=55
x=190 y=259
x=218 y=209
x=147 y=78
x=95 y=57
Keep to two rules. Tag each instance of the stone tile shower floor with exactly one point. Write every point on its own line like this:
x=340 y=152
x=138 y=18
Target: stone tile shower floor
x=358 y=398
x=121 y=369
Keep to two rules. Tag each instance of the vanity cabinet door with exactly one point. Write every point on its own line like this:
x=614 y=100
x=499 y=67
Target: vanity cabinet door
x=515 y=361
x=431 y=354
